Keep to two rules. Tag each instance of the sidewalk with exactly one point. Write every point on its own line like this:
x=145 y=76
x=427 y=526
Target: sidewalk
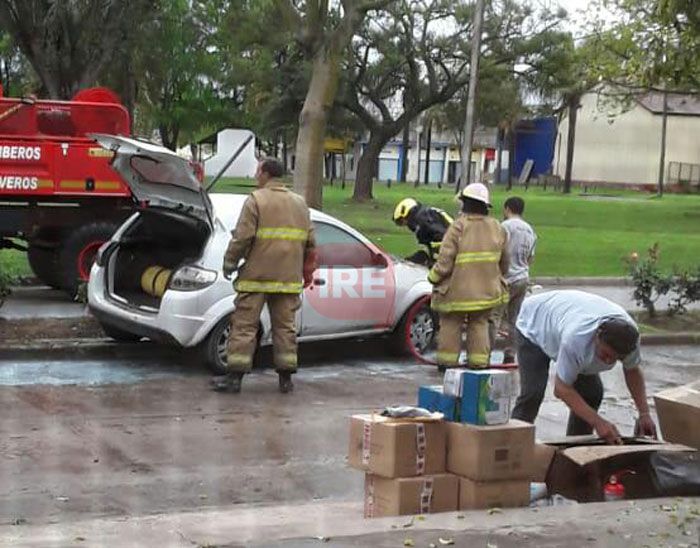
x=671 y=522
x=40 y=302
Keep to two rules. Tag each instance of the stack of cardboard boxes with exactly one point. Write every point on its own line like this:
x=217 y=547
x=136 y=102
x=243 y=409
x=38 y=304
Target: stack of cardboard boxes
x=404 y=465
x=475 y=458
x=491 y=454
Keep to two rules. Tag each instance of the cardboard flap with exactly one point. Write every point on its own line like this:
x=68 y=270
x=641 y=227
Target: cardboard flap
x=688 y=394
x=590 y=453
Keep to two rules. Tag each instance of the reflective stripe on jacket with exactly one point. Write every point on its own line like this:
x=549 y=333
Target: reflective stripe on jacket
x=468 y=274
x=274 y=235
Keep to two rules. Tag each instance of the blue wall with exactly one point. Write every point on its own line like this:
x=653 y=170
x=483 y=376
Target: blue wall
x=534 y=140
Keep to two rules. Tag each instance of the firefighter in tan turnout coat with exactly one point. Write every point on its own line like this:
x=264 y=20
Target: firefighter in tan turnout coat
x=468 y=280
x=275 y=236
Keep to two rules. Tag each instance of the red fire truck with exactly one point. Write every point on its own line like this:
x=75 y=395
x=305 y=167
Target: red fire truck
x=59 y=197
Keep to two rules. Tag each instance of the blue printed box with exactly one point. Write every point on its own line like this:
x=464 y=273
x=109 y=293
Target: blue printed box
x=432 y=398
x=485 y=397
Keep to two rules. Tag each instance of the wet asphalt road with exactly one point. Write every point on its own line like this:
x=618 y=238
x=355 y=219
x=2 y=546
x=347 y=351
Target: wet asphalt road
x=140 y=433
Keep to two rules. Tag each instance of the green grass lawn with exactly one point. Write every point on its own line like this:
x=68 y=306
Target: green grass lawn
x=578 y=235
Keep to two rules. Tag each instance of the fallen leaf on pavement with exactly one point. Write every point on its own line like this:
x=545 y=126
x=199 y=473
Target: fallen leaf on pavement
x=408 y=524
x=408 y=542
x=492 y=511
x=420 y=518
x=446 y=541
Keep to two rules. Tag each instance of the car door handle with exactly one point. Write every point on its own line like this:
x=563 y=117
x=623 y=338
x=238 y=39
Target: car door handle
x=319 y=281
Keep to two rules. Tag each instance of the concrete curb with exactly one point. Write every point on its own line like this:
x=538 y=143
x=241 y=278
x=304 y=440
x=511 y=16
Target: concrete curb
x=591 y=281
x=663 y=339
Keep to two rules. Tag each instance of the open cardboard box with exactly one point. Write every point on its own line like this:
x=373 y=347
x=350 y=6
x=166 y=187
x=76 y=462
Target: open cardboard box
x=580 y=466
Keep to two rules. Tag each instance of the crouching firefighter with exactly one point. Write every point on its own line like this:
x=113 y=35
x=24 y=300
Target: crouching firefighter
x=429 y=225
x=468 y=280
x=275 y=236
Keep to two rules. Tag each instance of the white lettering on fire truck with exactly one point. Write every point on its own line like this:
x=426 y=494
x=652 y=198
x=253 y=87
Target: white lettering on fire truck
x=15 y=152
x=12 y=182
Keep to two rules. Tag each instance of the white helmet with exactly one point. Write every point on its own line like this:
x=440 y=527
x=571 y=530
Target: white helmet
x=478 y=192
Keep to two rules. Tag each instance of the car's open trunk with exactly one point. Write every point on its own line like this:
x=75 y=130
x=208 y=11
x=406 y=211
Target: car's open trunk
x=160 y=238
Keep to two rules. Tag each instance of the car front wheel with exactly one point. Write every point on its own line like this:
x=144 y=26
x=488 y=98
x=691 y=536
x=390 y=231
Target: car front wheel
x=417 y=333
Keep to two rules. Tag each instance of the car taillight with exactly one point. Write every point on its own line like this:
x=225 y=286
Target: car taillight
x=191 y=278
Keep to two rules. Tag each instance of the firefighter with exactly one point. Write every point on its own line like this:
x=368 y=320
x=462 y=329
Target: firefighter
x=275 y=236
x=468 y=280
x=428 y=223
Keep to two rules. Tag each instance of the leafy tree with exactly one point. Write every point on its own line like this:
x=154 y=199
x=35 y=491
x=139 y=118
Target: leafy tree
x=406 y=54
x=181 y=93
x=323 y=30
x=67 y=43
x=653 y=44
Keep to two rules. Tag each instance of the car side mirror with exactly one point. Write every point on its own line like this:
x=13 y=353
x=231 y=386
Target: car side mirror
x=379 y=260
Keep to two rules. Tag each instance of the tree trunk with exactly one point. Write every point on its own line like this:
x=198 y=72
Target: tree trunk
x=404 y=152
x=308 y=170
x=511 y=155
x=169 y=135
x=662 y=159
x=367 y=167
x=285 y=155
x=499 y=155
x=428 y=144
x=570 y=142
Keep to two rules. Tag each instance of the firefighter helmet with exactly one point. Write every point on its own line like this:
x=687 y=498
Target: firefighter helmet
x=478 y=192
x=403 y=209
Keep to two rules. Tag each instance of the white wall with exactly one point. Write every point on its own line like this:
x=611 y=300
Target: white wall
x=625 y=149
x=227 y=142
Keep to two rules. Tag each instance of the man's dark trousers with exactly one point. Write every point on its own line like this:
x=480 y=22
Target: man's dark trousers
x=534 y=374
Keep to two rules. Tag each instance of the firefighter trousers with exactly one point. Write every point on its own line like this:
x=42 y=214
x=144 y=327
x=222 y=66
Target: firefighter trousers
x=450 y=338
x=245 y=320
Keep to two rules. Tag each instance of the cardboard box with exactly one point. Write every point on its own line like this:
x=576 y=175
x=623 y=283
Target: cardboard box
x=433 y=398
x=678 y=410
x=403 y=496
x=484 y=453
x=476 y=495
x=396 y=447
x=484 y=394
x=581 y=470
x=543 y=455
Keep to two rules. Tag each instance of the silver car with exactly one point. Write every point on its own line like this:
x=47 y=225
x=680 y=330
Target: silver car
x=358 y=290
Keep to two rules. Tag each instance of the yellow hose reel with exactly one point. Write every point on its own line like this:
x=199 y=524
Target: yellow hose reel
x=154 y=280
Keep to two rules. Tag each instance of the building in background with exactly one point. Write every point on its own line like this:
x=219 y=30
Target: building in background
x=613 y=149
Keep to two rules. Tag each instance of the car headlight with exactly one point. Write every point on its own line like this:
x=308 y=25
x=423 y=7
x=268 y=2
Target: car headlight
x=191 y=278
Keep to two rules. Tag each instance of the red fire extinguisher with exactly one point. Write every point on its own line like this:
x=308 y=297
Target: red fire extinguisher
x=613 y=490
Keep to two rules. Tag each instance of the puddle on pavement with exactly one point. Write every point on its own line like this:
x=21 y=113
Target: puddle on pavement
x=86 y=372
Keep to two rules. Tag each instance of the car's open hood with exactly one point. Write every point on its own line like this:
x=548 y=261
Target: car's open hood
x=157 y=176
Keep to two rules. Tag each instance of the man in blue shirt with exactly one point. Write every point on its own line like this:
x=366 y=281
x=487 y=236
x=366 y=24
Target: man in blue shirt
x=584 y=334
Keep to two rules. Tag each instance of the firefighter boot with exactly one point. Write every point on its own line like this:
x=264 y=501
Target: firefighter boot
x=230 y=382
x=285 y=380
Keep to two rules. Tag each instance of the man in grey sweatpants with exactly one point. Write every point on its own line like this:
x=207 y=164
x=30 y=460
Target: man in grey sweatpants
x=584 y=334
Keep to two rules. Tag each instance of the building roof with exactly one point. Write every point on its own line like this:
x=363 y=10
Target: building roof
x=680 y=104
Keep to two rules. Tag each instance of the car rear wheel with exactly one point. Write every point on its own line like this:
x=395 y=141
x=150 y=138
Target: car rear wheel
x=214 y=348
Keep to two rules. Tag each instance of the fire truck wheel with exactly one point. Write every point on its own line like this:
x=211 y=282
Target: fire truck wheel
x=44 y=262
x=78 y=253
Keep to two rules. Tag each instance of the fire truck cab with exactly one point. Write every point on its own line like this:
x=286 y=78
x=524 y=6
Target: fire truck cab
x=59 y=197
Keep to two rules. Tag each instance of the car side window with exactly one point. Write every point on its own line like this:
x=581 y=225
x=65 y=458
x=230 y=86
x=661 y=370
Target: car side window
x=336 y=248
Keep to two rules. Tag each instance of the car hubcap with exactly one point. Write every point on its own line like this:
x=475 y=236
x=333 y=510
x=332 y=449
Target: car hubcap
x=222 y=345
x=422 y=331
